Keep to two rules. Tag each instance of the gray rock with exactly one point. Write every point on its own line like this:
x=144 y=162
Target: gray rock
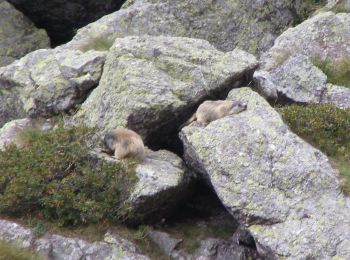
x=219 y=249
x=9 y=133
x=162 y=183
x=227 y=24
x=338 y=6
x=146 y=79
x=166 y=243
x=56 y=247
x=61 y=18
x=288 y=70
x=18 y=35
x=337 y=95
x=11 y=232
x=269 y=179
x=46 y=82
x=297 y=79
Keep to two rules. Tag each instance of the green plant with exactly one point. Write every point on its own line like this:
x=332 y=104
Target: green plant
x=327 y=128
x=37 y=226
x=11 y=252
x=337 y=73
x=54 y=174
x=307 y=8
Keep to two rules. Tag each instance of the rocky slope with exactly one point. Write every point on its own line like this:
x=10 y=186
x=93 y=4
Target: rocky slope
x=147 y=67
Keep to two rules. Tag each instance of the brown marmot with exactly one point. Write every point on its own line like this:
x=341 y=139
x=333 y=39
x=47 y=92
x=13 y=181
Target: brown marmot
x=210 y=110
x=125 y=143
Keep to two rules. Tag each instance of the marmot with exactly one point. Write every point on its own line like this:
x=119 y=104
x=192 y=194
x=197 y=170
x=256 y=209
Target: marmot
x=210 y=110
x=125 y=143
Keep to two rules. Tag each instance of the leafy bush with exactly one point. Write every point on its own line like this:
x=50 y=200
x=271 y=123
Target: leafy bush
x=327 y=128
x=337 y=73
x=11 y=252
x=53 y=174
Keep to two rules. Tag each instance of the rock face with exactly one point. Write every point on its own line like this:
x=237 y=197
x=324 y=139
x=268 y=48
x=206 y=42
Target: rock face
x=227 y=24
x=269 y=179
x=146 y=79
x=46 y=82
x=10 y=131
x=56 y=247
x=288 y=69
x=162 y=183
x=62 y=17
x=18 y=35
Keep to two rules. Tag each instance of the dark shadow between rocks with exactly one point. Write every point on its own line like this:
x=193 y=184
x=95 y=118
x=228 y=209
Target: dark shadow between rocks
x=62 y=18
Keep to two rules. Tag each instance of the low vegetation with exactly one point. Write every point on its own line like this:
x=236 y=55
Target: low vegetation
x=54 y=176
x=327 y=128
x=338 y=73
x=11 y=252
x=308 y=7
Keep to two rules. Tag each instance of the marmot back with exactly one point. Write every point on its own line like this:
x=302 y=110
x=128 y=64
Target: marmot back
x=125 y=143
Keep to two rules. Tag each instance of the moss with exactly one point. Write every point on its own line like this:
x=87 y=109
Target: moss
x=337 y=72
x=97 y=44
x=11 y=252
x=327 y=128
x=53 y=174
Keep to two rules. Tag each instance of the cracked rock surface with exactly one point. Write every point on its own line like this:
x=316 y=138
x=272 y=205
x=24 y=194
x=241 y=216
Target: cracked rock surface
x=269 y=179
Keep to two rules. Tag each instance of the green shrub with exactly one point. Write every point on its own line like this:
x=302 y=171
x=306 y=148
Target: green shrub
x=53 y=174
x=337 y=73
x=11 y=252
x=327 y=128
x=308 y=7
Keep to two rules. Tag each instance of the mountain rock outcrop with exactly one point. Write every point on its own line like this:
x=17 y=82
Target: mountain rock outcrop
x=249 y=25
x=18 y=35
x=62 y=17
x=305 y=58
x=269 y=179
x=150 y=84
x=47 y=82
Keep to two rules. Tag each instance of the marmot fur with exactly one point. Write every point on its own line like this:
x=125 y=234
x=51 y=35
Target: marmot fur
x=125 y=143
x=210 y=110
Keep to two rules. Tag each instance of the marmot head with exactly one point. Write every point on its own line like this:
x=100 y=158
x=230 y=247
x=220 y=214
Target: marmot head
x=237 y=107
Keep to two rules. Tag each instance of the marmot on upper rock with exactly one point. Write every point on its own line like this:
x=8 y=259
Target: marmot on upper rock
x=210 y=110
x=125 y=143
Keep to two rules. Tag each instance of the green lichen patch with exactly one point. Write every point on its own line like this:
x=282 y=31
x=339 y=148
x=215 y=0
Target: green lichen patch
x=53 y=175
x=327 y=128
x=337 y=72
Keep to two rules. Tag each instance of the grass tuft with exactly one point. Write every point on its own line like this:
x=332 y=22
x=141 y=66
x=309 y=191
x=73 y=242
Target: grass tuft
x=338 y=73
x=327 y=128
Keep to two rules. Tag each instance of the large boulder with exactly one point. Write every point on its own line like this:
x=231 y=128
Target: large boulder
x=57 y=247
x=280 y=187
x=297 y=67
x=47 y=82
x=250 y=25
x=61 y=18
x=150 y=84
x=18 y=35
x=163 y=182
x=10 y=132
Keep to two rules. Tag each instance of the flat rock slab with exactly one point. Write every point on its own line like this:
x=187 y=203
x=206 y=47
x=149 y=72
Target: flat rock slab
x=248 y=24
x=150 y=83
x=18 y=35
x=269 y=179
x=289 y=69
x=47 y=82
